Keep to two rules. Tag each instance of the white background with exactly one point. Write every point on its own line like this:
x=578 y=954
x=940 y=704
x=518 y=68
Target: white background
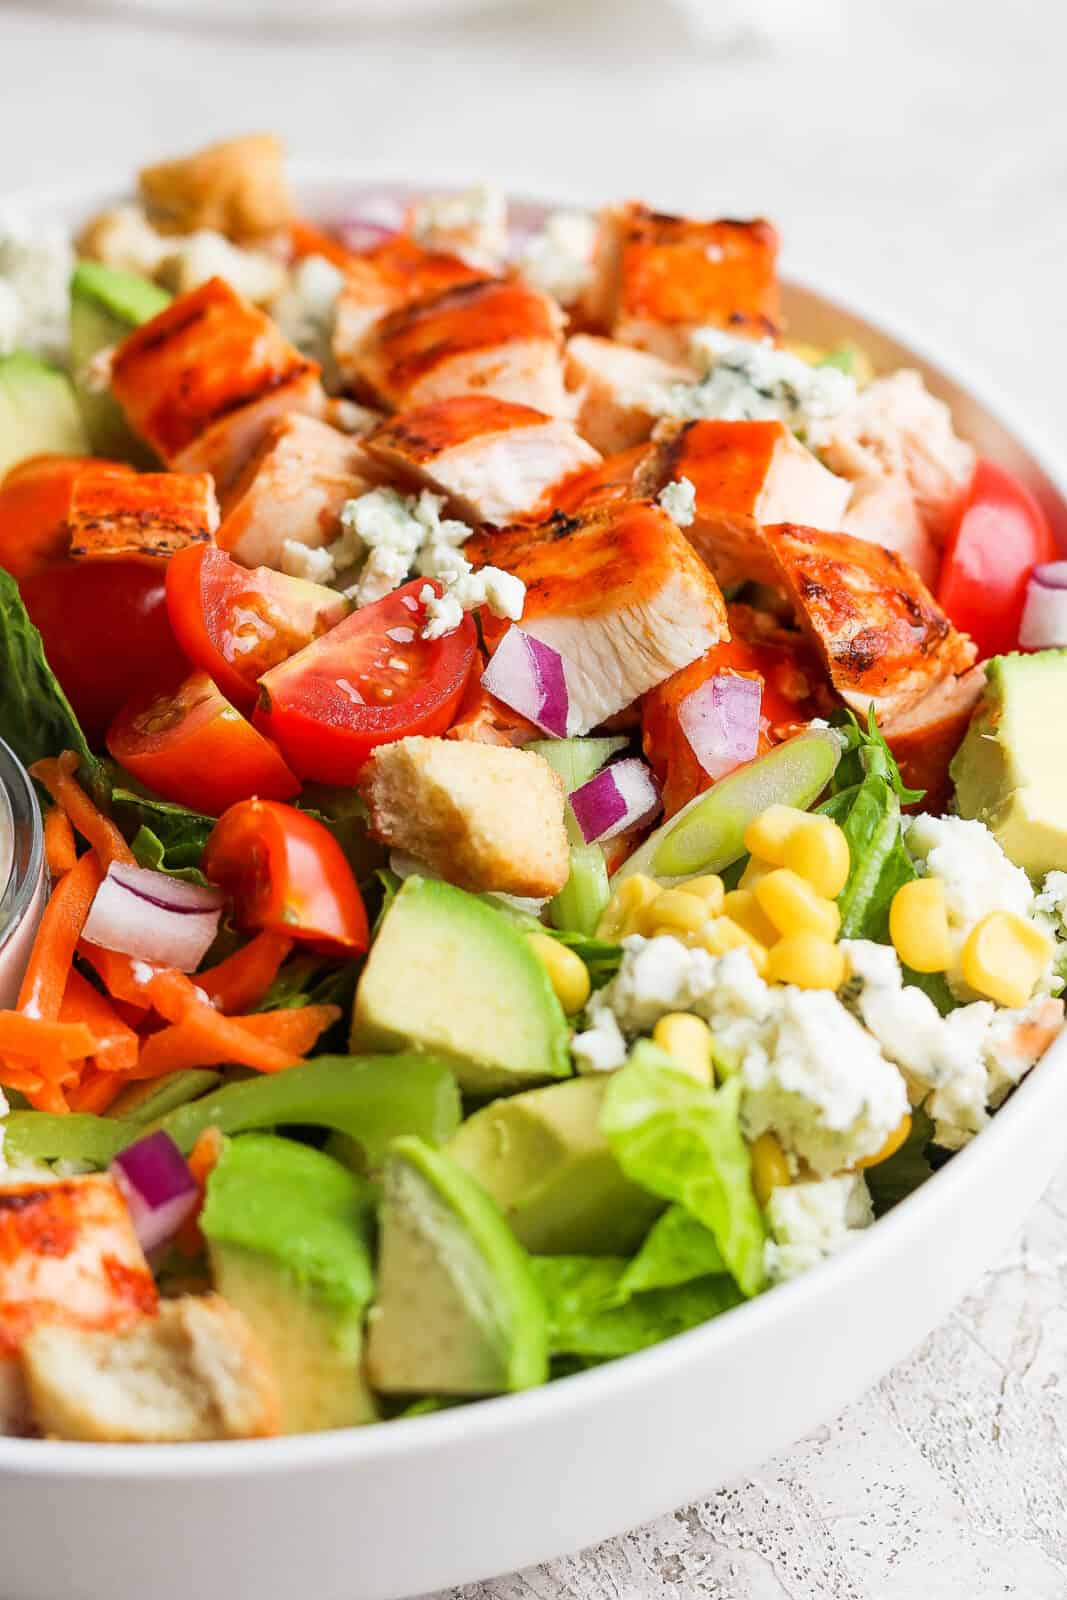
x=916 y=152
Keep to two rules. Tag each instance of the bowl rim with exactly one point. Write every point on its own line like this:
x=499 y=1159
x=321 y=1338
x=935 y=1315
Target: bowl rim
x=484 y=1419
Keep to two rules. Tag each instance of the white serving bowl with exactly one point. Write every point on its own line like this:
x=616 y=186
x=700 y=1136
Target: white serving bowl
x=394 y=1510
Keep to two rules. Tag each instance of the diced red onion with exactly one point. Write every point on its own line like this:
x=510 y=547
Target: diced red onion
x=154 y=917
x=721 y=720
x=378 y=218
x=157 y=1186
x=1044 y=619
x=622 y=796
x=528 y=676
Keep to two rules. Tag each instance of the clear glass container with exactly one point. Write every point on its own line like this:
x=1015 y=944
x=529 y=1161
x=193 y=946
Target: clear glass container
x=23 y=888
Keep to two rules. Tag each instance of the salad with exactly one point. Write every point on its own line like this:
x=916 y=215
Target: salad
x=553 y=803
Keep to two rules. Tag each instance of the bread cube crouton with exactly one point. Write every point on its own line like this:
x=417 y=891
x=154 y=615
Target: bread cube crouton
x=237 y=188
x=195 y=1371
x=485 y=817
x=146 y=516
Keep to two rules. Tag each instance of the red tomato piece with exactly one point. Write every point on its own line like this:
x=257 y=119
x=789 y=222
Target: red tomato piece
x=235 y=623
x=1001 y=536
x=190 y=745
x=369 y=681
x=287 y=874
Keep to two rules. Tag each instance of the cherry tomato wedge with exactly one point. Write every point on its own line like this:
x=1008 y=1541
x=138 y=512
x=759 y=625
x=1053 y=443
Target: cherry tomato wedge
x=189 y=745
x=34 y=502
x=370 y=680
x=287 y=874
x=1001 y=535
x=235 y=622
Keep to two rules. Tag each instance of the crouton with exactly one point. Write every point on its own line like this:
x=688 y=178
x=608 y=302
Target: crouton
x=195 y=1371
x=237 y=188
x=486 y=817
x=607 y=380
x=146 y=516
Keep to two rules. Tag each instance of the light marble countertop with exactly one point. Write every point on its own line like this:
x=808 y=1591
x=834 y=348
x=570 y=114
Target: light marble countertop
x=914 y=151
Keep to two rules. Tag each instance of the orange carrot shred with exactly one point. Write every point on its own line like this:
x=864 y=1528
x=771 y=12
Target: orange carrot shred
x=124 y=978
x=36 y=1037
x=59 y=849
x=96 y=1092
x=115 y=1044
x=241 y=981
x=57 y=775
x=202 y=1160
x=41 y=994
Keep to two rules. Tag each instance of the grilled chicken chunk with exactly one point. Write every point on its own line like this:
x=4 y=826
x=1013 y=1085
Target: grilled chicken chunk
x=497 y=337
x=885 y=640
x=394 y=274
x=607 y=379
x=292 y=489
x=201 y=381
x=619 y=593
x=616 y=478
x=926 y=736
x=657 y=277
x=746 y=475
x=140 y=515
x=496 y=461
x=68 y=1254
x=897 y=429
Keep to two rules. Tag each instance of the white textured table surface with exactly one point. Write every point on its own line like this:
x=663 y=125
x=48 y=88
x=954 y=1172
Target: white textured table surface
x=917 y=153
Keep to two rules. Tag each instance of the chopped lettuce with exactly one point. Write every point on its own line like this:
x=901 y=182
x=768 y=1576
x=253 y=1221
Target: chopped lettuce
x=681 y=1140
x=592 y=1316
x=890 y=1181
x=678 y=1249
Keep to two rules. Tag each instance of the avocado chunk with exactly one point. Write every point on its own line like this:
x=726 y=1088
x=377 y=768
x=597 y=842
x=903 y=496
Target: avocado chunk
x=457 y=1310
x=105 y=305
x=542 y=1157
x=1010 y=771
x=38 y=411
x=449 y=974
x=288 y=1233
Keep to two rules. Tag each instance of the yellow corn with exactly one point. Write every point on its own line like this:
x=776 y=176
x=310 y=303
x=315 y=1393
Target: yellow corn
x=673 y=911
x=770 y=1170
x=710 y=889
x=808 y=960
x=742 y=907
x=1004 y=957
x=755 y=869
x=722 y=933
x=768 y=834
x=623 y=911
x=567 y=972
x=817 y=851
x=892 y=1144
x=918 y=925
x=687 y=1040
x=794 y=907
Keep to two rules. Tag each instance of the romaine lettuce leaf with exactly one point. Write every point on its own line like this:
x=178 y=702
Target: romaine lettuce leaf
x=36 y=718
x=677 y=1249
x=681 y=1140
x=589 y=1316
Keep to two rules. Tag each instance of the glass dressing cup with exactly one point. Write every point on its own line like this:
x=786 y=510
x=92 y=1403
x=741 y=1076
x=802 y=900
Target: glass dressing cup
x=23 y=884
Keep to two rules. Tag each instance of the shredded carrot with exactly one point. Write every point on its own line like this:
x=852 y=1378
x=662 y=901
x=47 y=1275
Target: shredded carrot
x=174 y=995
x=59 y=849
x=307 y=240
x=57 y=776
x=124 y=978
x=202 y=1160
x=41 y=994
x=47 y=1097
x=204 y=1038
x=295 y=1028
x=23 y=1079
x=115 y=1044
x=241 y=981
x=39 y=1037
x=96 y=1092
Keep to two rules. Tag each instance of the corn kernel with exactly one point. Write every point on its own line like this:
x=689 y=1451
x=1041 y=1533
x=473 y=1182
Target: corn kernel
x=892 y=1144
x=918 y=925
x=768 y=834
x=622 y=912
x=770 y=1170
x=817 y=851
x=742 y=907
x=710 y=888
x=794 y=907
x=808 y=960
x=687 y=1040
x=673 y=911
x=567 y=972
x=722 y=933
x=755 y=869
x=1004 y=957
